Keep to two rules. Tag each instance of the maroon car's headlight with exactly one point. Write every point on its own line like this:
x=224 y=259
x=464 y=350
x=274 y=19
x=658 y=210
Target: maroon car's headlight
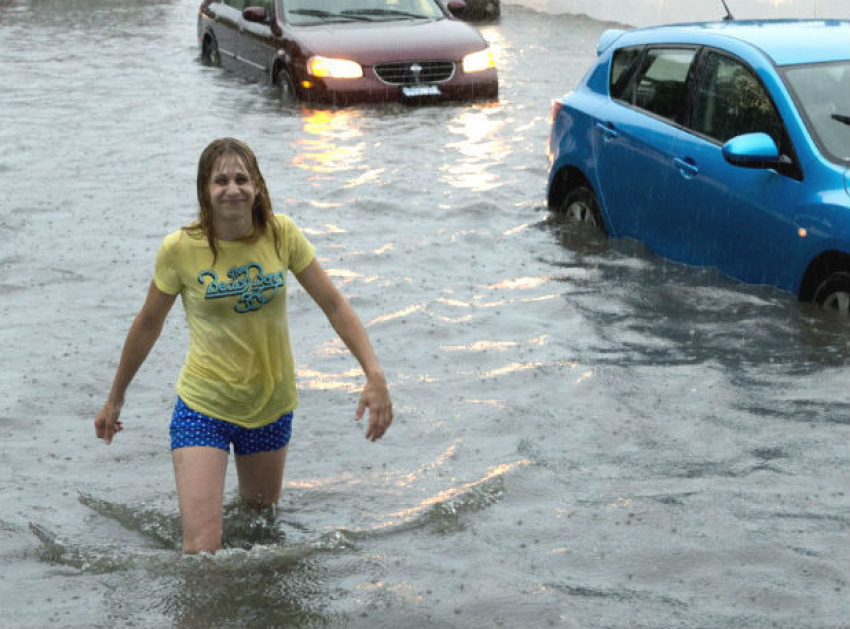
x=479 y=61
x=326 y=68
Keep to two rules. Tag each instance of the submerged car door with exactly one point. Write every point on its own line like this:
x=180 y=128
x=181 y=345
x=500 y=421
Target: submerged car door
x=634 y=135
x=226 y=17
x=737 y=219
x=255 y=48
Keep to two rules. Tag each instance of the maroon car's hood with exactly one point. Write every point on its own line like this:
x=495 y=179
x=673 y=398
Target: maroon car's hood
x=369 y=43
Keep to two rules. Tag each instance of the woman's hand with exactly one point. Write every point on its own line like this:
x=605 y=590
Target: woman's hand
x=375 y=397
x=140 y=339
x=107 y=423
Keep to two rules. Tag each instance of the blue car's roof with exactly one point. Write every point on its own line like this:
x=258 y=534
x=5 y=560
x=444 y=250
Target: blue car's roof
x=784 y=41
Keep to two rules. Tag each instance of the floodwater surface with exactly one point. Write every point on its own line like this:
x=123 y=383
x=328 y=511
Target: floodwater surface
x=586 y=435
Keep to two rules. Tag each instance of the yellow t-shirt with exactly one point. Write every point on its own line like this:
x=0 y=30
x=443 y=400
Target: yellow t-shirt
x=239 y=367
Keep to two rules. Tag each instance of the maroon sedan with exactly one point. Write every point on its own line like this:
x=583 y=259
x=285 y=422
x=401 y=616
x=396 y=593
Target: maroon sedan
x=349 y=51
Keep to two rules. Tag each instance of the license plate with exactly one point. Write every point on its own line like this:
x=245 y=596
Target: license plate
x=416 y=91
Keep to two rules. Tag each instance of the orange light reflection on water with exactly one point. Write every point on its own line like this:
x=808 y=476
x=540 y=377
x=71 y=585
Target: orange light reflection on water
x=516 y=230
x=479 y=146
x=494 y=403
x=444 y=456
x=348 y=381
x=520 y=283
x=328 y=142
x=323 y=230
x=499 y=346
x=396 y=315
x=405 y=515
x=346 y=276
x=512 y=368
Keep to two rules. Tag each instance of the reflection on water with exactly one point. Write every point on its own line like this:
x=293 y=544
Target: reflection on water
x=499 y=346
x=349 y=381
x=474 y=495
x=330 y=142
x=327 y=229
x=481 y=148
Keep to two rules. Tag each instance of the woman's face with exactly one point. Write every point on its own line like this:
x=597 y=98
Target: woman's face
x=232 y=190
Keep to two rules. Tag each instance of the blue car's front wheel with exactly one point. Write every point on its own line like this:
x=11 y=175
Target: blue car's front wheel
x=833 y=294
x=581 y=205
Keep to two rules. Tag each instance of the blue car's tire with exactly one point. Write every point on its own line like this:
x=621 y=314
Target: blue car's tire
x=833 y=294
x=581 y=205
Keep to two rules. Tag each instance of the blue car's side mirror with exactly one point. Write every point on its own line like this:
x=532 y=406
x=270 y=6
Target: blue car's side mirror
x=752 y=150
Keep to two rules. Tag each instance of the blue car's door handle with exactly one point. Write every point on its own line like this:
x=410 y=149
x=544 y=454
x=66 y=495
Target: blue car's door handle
x=686 y=167
x=607 y=130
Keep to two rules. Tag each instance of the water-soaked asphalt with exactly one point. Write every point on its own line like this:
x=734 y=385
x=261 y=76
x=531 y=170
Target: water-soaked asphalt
x=586 y=436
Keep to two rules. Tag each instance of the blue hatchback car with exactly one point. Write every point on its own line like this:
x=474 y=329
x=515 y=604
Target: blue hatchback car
x=717 y=144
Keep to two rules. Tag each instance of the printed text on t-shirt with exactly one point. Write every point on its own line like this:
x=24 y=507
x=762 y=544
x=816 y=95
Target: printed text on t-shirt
x=253 y=287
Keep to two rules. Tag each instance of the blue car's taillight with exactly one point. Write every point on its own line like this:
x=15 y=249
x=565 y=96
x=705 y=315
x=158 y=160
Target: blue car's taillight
x=557 y=105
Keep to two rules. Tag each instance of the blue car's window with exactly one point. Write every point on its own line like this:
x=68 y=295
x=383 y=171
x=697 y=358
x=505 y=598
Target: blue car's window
x=660 y=84
x=822 y=92
x=621 y=63
x=730 y=100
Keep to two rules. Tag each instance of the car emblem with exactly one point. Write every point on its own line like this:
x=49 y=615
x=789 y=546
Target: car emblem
x=416 y=70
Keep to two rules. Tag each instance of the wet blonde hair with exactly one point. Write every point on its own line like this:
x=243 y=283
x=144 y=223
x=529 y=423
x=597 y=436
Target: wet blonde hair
x=262 y=214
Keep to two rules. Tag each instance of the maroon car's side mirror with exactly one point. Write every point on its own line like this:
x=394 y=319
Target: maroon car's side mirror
x=255 y=14
x=457 y=7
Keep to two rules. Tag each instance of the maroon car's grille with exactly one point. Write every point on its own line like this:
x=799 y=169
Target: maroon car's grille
x=415 y=72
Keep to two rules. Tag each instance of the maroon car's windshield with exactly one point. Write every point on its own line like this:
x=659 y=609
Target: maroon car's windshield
x=313 y=11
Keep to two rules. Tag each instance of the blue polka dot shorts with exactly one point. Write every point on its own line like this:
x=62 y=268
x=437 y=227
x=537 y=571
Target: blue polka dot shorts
x=191 y=428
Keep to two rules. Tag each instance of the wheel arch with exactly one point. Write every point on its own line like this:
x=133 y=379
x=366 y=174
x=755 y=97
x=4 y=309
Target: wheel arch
x=282 y=63
x=567 y=179
x=278 y=65
x=819 y=269
x=207 y=39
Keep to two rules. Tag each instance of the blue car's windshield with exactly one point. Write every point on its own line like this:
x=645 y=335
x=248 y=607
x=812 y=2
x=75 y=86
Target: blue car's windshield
x=822 y=91
x=312 y=11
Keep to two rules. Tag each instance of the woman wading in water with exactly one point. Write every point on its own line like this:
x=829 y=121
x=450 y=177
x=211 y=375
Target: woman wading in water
x=237 y=385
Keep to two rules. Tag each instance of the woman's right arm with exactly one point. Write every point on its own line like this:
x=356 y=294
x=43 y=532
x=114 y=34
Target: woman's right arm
x=143 y=334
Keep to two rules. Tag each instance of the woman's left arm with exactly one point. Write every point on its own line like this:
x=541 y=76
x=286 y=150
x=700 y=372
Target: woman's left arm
x=375 y=395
